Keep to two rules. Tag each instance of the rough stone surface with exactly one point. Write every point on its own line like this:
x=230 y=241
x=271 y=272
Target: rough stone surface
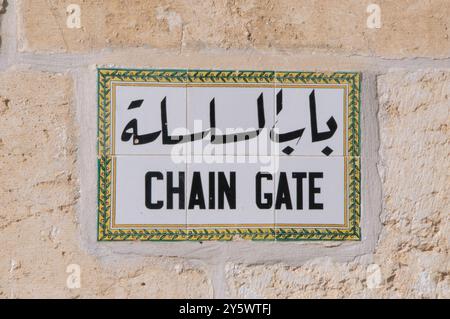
x=409 y=28
x=38 y=195
x=412 y=256
x=43 y=226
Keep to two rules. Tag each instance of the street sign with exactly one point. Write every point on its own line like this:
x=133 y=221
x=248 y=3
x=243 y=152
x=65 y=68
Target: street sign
x=222 y=155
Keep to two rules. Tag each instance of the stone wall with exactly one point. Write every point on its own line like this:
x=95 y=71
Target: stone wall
x=48 y=136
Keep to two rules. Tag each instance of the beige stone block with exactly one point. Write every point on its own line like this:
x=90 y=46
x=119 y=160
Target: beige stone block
x=104 y=23
x=37 y=251
x=409 y=28
x=37 y=145
x=414 y=132
x=319 y=278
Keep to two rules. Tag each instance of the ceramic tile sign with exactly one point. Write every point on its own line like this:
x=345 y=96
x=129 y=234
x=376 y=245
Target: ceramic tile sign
x=225 y=155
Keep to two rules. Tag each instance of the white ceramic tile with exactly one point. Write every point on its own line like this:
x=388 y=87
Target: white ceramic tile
x=244 y=212
x=148 y=116
x=133 y=191
x=236 y=108
x=327 y=204
x=295 y=115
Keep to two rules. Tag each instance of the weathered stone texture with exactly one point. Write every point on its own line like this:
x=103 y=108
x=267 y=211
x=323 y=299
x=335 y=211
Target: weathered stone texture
x=409 y=28
x=413 y=248
x=38 y=194
x=37 y=146
x=414 y=127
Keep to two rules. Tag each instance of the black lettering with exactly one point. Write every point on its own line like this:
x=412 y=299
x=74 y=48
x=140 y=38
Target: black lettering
x=197 y=197
x=227 y=189
x=148 y=190
x=212 y=190
x=283 y=194
x=314 y=190
x=171 y=190
x=299 y=177
x=268 y=197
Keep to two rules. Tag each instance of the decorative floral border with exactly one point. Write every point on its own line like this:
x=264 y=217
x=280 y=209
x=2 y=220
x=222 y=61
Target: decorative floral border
x=106 y=75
